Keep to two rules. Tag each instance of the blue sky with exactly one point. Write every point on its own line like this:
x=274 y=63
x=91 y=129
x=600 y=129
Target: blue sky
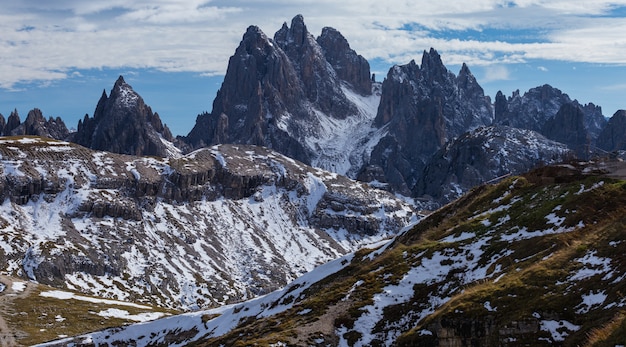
x=60 y=55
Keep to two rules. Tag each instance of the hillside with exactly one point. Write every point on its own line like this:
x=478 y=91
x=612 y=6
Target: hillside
x=534 y=260
x=217 y=226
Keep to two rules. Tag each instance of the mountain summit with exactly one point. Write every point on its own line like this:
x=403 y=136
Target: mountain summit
x=302 y=97
x=123 y=123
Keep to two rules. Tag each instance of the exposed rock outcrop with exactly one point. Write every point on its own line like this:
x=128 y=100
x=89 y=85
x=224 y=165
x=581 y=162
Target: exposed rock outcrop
x=260 y=91
x=538 y=105
x=289 y=93
x=349 y=66
x=36 y=124
x=12 y=122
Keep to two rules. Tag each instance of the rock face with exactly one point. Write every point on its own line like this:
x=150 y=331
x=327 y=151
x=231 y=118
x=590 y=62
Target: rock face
x=12 y=122
x=568 y=127
x=217 y=226
x=483 y=155
x=123 y=123
x=260 y=90
x=320 y=81
x=295 y=94
x=613 y=137
x=349 y=66
x=423 y=108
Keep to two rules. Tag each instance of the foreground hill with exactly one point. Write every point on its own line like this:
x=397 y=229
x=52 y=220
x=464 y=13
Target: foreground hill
x=219 y=225
x=534 y=260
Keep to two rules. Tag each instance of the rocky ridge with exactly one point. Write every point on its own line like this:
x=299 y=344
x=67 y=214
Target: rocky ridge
x=34 y=124
x=613 y=136
x=483 y=155
x=422 y=108
x=216 y=226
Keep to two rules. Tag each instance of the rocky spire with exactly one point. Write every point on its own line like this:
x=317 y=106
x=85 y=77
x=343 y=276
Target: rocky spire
x=349 y=66
x=320 y=82
x=277 y=92
x=123 y=123
x=12 y=122
x=613 y=136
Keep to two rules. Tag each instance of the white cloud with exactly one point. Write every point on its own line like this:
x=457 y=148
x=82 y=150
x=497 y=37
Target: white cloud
x=200 y=35
x=496 y=73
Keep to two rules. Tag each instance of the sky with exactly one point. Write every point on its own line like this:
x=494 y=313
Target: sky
x=60 y=55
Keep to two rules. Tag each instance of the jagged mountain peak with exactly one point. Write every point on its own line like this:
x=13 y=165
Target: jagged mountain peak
x=124 y=95
x=123 y=123
x=423 y=107
x=34 y=124
x=254 y=36
x=297 y=34
x=432 y=66
x=294 y=95
x=349 y=66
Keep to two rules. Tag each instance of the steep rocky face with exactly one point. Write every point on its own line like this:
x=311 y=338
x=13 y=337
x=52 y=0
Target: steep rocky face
x=568 y=127
x=261 y=90
x=349 y=66
x=422 y=108
x=36 y=124
x=320 y=81
x=613 y=136
x=594 y=119
x=533 y=109
x=216 y=226
x=285 y=94
x=12 y=122
x=483 y=155
x=123 y=123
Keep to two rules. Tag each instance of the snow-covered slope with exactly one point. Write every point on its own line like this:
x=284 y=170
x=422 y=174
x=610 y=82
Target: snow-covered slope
x=219 y=225
x=534 y=260
x=344 y=145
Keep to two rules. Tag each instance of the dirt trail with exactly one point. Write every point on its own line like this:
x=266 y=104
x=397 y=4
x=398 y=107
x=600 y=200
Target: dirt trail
x=8 y=334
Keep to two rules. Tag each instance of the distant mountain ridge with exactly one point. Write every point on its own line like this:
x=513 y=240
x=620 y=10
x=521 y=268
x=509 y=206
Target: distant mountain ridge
x=314 y=99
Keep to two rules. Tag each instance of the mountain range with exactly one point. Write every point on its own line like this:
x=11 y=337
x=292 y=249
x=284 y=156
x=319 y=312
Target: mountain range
x=267 y=219
x=314 y=100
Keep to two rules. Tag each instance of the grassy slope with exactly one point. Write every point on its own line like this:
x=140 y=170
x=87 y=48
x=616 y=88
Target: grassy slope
x=527 y=280
x=33 y=318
